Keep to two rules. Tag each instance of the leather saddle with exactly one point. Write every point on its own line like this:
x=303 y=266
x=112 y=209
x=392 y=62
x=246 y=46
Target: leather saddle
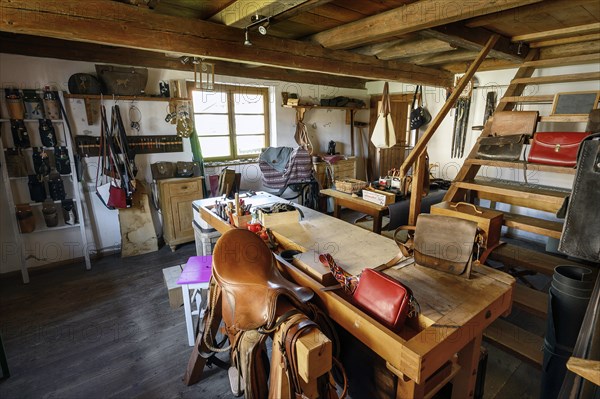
x=251 y=284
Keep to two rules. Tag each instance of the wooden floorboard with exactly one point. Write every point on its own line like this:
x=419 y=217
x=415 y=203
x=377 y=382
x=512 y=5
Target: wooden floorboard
x=110 y=333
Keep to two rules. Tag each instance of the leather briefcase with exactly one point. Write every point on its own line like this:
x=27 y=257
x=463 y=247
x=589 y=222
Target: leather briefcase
x=384 y=298
x=556 y=148
x=501 y=148
x=445 y=243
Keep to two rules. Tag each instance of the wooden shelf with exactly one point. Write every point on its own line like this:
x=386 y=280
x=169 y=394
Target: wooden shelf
x=47 y=229
x=70 y=175
x=123 y=98
x=520 y=164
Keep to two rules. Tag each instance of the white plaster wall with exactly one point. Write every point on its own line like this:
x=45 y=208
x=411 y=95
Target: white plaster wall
x=103 y=227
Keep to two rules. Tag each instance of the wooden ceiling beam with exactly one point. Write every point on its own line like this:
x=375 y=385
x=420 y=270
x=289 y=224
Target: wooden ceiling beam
x=409 y=18
x=570 y=50
x=76 y=51
x=487 y=65
x=525 y=14
x=115 y=24
x=566 y=40
x=558 y=33
x=374 y=49
x=239 y=13
x=444 y=58
x=415 y=48
x=475 y=38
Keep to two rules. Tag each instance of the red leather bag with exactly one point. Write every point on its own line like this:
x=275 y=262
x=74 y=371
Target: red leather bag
x=555 y=148
x=384 y=298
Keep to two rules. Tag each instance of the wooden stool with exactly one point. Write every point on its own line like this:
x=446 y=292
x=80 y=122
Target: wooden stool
x=194 y=277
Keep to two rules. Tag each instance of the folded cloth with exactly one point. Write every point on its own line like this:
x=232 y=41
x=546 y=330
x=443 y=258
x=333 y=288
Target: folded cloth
x=277 y=157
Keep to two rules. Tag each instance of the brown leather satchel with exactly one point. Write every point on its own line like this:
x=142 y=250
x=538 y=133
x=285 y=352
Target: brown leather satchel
x=501 y=148
x=445 y=243
x=25 y=218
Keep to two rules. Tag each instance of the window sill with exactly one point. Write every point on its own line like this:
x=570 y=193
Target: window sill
x=213 y=164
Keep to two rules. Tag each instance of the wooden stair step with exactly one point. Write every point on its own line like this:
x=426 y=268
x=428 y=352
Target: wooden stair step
x=530 y=300
x=515 y=256
x=564 y=118
x=547 y=228
x=566 y=78
x=562 y=61
x=522 y=343
x=543 y=198
x=545 y=99
x=520 y=164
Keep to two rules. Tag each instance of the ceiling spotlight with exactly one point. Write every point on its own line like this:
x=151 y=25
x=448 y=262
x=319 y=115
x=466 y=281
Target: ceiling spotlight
x=262 y=30
x=247 y=42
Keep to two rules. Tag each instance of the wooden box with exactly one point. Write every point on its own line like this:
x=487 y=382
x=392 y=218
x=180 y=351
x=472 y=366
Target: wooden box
x=170 y=275
x=241 y=222
x=488 y=220
x=342 y=169
x=273 y=219
x=379 y=197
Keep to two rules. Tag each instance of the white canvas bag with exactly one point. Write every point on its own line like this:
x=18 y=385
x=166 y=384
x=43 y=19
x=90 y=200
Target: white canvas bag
x=384 y=135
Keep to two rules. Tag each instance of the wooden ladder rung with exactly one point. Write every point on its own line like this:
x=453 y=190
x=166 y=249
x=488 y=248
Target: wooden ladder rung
x=543 y=198
x=547 y=228
x=533 y=167
x=515 y=256
x=522 y=343
x=530 y=300
x=567 y=78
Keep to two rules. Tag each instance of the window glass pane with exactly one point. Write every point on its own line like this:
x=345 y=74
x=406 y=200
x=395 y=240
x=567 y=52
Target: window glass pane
x=249 y=103
x=214 y=102
x=250 y=124
x=215 y=147
x=208 y=125
x=250 y=145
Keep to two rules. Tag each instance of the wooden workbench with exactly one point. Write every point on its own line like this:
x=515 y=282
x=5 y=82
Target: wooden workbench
x=357 y=204
x=446 y=337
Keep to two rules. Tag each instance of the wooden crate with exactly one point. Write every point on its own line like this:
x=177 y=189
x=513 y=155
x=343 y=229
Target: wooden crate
x=342 y=169
x=274 y=219
x=487 y=220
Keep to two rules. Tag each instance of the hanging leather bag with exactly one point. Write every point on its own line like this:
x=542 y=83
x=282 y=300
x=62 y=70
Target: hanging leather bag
x=50 y=213
x=384 y=135
x=37 y=191
x=556 y=148
x=47 y=133
x=418 y=116
x=25 y=218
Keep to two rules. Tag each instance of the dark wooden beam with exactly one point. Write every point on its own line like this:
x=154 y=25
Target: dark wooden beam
x=415 y=48
x=115 y=24
x=76 y=51
x=475 y=38
x=409 y=18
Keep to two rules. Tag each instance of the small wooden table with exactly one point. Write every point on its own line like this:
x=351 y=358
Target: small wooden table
x=442 y=344
x=357 y=204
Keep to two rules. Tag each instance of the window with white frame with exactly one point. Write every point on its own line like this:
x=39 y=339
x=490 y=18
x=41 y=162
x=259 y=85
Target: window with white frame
x=232 y=122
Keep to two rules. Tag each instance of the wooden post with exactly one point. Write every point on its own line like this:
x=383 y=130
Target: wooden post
x=437 y=121
x=417 y=188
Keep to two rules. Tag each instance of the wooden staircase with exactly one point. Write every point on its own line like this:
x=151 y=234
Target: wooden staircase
x=470 y=186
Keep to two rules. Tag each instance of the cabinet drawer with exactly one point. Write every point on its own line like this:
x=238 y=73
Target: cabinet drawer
x=186 y=187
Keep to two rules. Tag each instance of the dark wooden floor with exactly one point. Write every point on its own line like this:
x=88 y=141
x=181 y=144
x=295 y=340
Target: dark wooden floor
x=110 y=332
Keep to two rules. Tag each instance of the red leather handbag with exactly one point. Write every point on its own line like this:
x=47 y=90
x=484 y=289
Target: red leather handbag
x=384 y=298
x=555 y=148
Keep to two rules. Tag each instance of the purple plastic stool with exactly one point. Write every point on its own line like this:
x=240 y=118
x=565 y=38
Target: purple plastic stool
x=194 y=277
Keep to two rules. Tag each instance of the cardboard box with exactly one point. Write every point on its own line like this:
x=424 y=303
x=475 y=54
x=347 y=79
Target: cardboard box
x=379 y=197
x=170 y=275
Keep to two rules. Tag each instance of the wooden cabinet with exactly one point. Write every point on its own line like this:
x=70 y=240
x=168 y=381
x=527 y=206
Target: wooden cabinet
x=176 y=196
x=326 y=174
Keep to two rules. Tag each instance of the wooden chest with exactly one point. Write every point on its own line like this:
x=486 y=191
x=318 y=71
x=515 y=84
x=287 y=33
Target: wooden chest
x=176 y=197
x=342 y=169
x=488 y=220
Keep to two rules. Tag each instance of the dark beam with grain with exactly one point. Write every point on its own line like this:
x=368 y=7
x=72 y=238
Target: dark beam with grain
x=115 y=24
x=75 y=51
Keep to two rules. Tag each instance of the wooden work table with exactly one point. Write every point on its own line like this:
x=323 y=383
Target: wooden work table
x=442 y=344
x=358 y=204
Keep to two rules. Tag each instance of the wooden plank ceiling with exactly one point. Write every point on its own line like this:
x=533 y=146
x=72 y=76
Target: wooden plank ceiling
x=332 y=42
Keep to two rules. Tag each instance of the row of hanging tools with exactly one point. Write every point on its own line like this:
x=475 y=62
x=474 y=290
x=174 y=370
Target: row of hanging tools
x=461 y=121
